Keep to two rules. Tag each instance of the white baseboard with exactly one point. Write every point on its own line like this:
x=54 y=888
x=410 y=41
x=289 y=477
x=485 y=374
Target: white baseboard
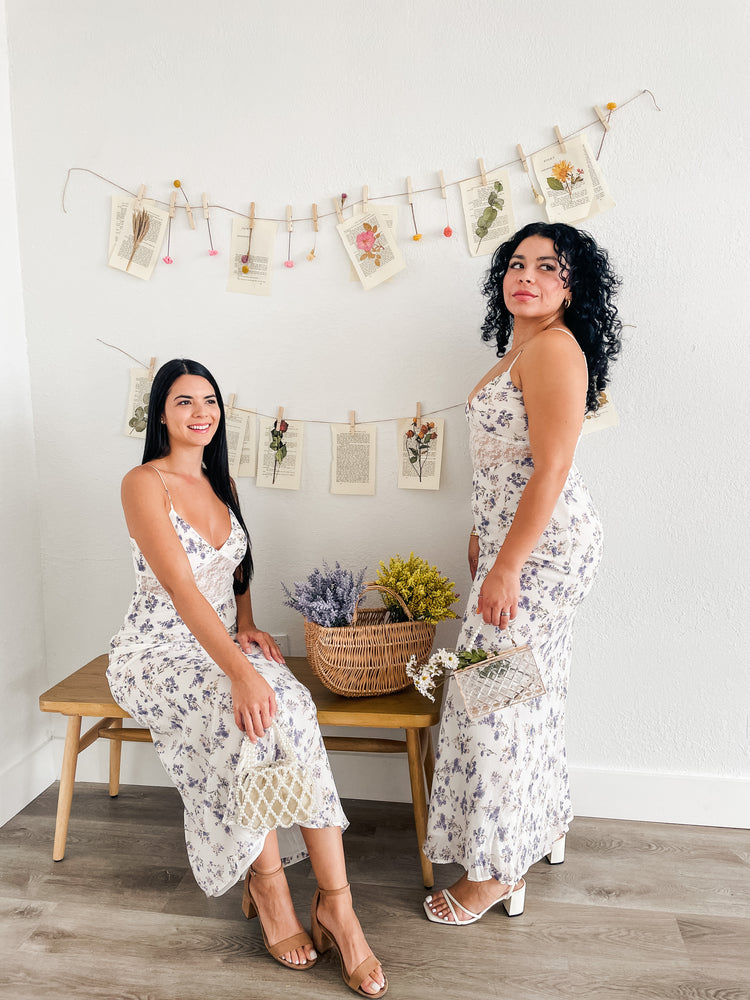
x=698 y=800
x=23 y=781
x=694 y=799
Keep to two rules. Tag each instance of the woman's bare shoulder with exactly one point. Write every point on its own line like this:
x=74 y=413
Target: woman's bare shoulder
x=144 y=482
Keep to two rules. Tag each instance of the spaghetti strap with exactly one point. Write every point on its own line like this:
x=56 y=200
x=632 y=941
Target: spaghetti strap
x=162 y=482
x=510 y=366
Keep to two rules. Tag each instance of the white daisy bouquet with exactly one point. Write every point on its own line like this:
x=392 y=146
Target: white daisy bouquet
x=425 y=676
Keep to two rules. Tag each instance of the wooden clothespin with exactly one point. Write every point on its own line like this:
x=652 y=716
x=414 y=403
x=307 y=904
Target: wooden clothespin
x=189 y=211
x=409 y=192
x=315 y=218
x=352 y=423
x=230 y=407
x=538 y=198
x=172 y=200
x=139 y=198
x=289 y=222
x=602 y=118
x=364 y=197
x=151 y=369
x=482 y=172
x=560 y=141
x=339 y=212
x=443 y=192
x=279 y=416
x=418 y=417
x=204 y=200
x=251 y=221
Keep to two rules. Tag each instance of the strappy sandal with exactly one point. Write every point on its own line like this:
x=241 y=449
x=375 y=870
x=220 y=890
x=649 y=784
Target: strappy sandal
x=323 y=940
x=513 y=902
x=298 y=940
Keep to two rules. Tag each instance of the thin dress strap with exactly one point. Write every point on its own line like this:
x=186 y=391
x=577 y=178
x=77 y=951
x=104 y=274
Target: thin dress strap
x=162 y=482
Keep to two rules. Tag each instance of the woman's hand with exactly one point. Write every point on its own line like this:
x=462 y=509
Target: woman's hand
x=473 y=555
x=247 y=636
x=498 y=596
x=254 y=703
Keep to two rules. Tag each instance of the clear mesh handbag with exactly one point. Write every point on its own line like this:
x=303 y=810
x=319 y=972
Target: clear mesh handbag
x=506 y=679
x=279 y=793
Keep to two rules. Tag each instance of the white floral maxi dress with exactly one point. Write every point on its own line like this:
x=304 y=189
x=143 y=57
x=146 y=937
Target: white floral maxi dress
x=500 y=794
x=160 y=673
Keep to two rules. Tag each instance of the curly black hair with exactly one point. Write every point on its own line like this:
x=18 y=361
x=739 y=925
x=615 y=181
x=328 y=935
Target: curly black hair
x=592 y=316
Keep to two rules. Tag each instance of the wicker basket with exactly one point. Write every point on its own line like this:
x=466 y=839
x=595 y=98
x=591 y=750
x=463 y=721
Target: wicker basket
x=369 y=656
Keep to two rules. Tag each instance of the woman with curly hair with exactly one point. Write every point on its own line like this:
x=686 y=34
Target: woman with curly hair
x=500 y=797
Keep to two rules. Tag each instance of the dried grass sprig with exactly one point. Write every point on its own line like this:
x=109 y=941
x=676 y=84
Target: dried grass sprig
x=141 y=223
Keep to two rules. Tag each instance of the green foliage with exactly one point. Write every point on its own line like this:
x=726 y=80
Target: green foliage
x=555 y=184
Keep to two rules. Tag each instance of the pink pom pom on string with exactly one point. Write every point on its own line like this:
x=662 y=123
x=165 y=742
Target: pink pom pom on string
x=212 y=253
x=288 y=263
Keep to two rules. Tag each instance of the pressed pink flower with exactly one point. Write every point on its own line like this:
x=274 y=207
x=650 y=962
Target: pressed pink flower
x=167 y=260
x=212 y=253
x=288 y=263
x=366 y=241
x=448 y=232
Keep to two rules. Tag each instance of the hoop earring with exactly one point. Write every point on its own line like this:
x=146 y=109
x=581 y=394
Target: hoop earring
x=566 y=303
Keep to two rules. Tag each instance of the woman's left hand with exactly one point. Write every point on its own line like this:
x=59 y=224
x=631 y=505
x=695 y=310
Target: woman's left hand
x=498 y=597
x=245 y=637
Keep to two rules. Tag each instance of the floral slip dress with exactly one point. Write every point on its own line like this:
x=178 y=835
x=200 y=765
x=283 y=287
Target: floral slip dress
x=162 y=676
x=500 y=794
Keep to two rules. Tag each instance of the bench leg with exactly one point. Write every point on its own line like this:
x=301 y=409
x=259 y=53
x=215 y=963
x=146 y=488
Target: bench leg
x=428 y=756
x=417 y=778
x=115 y=756
x=67 y=780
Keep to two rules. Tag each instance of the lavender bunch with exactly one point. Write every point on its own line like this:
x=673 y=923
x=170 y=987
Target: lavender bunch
x=327 y=597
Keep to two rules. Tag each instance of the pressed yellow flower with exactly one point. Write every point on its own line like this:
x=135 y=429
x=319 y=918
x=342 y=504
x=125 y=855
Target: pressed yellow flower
x=611 y=106
x=562 y=169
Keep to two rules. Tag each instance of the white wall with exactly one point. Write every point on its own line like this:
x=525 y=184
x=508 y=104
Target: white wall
x=293 y=104
x=27 y=764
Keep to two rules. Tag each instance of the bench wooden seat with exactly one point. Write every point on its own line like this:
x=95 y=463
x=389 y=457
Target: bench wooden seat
x=86 y=694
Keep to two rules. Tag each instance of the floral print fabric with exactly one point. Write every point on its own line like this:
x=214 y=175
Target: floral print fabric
x=162 y=676
x=500 y=794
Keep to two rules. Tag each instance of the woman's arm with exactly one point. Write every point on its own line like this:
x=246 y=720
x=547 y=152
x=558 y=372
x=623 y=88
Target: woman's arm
x=553 y=378
x=147 y=515
x=247 y=632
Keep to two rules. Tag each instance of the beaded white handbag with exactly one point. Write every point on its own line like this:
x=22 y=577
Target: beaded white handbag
x=506 y=679
x=275 y=794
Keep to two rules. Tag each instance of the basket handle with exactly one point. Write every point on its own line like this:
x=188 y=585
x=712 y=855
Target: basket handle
x=387 y=590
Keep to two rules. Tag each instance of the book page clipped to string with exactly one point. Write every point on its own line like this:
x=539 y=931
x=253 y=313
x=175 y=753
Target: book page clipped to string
x=136 y=233
x=488 y=210
x=572 y=182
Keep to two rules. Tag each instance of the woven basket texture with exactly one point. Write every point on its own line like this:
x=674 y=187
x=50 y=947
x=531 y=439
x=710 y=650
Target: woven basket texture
x=369 y=656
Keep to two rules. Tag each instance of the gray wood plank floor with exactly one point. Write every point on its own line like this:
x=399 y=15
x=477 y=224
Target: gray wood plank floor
x=638 y=910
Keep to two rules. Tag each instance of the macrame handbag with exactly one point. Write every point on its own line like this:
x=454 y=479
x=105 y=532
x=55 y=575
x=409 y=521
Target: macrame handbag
x=507 y=678
x=278 y=793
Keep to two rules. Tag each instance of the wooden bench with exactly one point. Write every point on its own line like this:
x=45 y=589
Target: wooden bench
x=86 y=694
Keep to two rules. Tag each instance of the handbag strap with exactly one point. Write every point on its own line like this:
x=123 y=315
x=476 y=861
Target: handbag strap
x=386 y=590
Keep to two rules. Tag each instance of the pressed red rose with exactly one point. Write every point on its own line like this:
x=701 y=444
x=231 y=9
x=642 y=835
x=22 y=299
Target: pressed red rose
x=283 y=426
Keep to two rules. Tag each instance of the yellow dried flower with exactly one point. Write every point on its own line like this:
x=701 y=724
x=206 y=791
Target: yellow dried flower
x=426 y=593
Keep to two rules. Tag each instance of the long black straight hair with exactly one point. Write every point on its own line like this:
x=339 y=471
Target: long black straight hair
x=215 y=458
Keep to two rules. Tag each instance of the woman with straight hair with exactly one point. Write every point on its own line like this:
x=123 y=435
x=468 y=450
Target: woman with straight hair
x=190 y=664
x=500 y=798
